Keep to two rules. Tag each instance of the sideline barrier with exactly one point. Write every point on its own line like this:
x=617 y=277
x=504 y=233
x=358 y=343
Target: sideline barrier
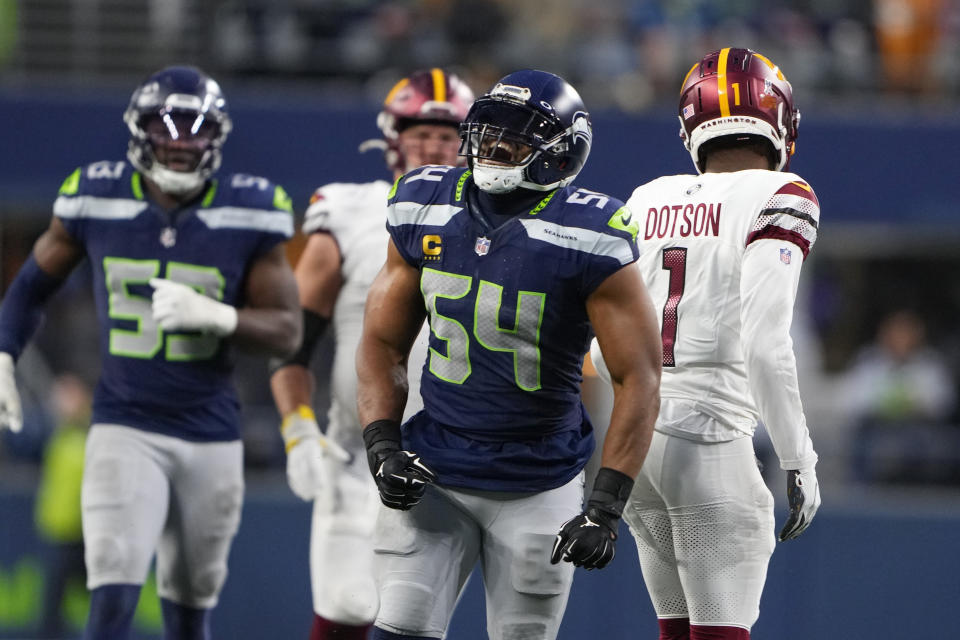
x=877 y=569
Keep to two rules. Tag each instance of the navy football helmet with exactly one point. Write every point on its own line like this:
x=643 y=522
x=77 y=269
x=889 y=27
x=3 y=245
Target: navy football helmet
x=531 y=130
x=178 y=122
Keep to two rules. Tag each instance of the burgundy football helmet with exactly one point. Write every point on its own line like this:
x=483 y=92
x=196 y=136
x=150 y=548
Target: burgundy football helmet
x=429 y=96
x=738 y=92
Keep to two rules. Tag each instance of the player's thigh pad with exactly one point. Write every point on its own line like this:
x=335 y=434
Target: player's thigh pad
x=124 y=501
x=526 y=595
x=649 y=522
x=341 y=548
x=206 y=501
x=422 y=559
x=723 y=528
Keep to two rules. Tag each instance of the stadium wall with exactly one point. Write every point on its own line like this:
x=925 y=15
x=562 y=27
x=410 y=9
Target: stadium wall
x=878 y=170
x=870 y=569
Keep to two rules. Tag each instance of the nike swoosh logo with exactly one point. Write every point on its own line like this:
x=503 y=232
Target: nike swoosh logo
x=625 y=220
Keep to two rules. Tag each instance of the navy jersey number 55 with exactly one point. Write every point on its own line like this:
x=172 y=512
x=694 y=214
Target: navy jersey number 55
x=505 y=333
x=177 y=384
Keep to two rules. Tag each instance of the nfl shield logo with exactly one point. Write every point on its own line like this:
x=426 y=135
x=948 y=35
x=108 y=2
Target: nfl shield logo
x=483 y=246
x=168 y=237
x=785 y=256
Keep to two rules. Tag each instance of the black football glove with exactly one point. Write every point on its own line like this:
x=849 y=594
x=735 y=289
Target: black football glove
x=803 y=496
x=589 y=540
x=400 y=475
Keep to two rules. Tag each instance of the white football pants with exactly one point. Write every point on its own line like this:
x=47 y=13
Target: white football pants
x=424 y=557
x=145 y=492
x=703 y=521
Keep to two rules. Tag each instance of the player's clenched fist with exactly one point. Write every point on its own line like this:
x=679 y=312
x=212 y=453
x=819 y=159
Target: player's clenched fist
x=401 y=476
x=589 y=539
x=178 y=307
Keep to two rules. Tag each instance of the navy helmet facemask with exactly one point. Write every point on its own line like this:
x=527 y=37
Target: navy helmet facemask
x=530 y=131
x=178 y=122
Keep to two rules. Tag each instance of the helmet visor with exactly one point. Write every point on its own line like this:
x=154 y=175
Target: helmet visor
x=180 y=139
x=192 y=129
x=520 y=119
x=495 y=144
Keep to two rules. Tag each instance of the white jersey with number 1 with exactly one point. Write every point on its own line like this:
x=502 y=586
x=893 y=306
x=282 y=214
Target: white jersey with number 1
x=694 y=233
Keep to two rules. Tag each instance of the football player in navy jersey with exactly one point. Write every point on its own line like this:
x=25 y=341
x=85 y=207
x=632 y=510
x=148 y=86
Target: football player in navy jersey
x=185 y=265
x=516 y=269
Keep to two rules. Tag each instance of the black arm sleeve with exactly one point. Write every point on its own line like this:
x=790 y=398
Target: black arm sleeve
x=313 y=327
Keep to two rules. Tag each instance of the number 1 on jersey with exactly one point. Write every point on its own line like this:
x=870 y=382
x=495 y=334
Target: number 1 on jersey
x=674 y=261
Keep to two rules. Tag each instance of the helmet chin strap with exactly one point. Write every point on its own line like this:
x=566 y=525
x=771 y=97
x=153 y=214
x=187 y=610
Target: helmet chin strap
x=175 y=183
x=497 y=179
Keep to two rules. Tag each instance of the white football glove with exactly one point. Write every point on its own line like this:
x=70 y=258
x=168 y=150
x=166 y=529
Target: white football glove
x=11 y=416
x=803 y=496
x=311 y=456
x=597 y=359
x=178 y=307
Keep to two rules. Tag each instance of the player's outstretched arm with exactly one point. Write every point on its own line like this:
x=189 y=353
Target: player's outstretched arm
x=768 y=290
x=392 y=319
x=292 y=382
x=624 y=320
x=54 y=255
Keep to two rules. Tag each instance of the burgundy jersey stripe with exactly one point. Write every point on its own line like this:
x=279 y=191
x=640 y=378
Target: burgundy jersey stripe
x=779 y=233
x=801 y=189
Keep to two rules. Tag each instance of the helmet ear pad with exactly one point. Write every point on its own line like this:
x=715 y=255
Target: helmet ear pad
x=562 y=162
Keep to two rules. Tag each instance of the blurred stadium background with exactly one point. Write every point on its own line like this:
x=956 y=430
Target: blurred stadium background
x=878 y=322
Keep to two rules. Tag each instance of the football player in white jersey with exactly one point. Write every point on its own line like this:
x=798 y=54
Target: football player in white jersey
x=347 y=245
x=721 y=252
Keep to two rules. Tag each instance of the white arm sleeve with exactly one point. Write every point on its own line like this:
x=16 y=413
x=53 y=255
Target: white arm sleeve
x=768 y=289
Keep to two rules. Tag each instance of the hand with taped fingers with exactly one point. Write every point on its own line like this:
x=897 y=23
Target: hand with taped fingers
x=11 y=414
x=803 y=498
x=309 y=454
x=401 y=476
x=179 y=307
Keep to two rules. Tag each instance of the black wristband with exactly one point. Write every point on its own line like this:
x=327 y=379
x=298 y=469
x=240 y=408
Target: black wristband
x=611 y=490
x=313 y=327
x=378 y=437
